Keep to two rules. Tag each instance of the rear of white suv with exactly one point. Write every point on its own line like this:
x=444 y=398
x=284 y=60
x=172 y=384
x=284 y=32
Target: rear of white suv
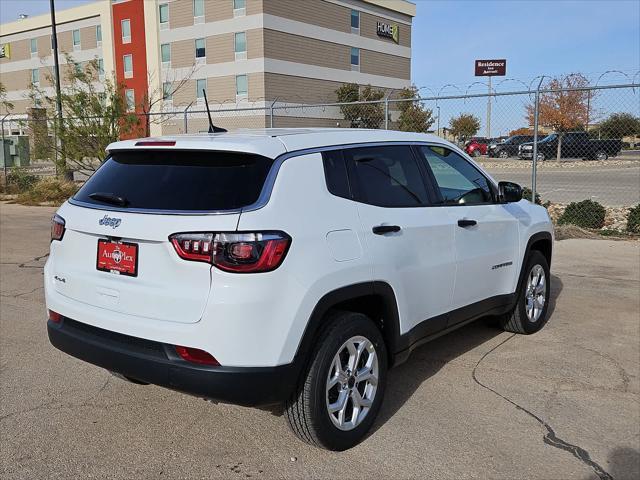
x=288 y=267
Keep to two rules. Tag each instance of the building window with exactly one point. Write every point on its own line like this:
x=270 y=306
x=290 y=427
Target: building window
x=355 y=58
x=167 y=92
x=101 y=68
x=242 y=86
x=198 y=11
x=201 y=51
x=99 y=35
x=240 y=45
x=78 y=67
x=164 y=15
x=201 y=87
x=35 y=77
x=128 y=65
x=130 y=98
x=355 y=21
x=239 y=8
x=165 y=53
x=76 y=39
x=126 y=30
x=34 y=47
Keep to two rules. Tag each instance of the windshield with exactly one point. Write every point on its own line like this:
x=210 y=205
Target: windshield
x=549 y=138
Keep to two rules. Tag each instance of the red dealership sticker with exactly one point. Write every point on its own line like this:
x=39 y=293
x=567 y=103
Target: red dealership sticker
x=118 y=257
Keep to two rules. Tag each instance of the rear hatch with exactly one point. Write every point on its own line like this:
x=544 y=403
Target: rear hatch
x=116 y=253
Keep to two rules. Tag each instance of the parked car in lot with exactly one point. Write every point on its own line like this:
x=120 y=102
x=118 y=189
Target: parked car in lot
x=477 y=146
x=289 y=267
x=574 y=145
x=509 y=148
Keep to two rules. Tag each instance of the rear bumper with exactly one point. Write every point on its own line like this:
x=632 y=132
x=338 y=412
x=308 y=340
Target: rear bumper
x=157 y=363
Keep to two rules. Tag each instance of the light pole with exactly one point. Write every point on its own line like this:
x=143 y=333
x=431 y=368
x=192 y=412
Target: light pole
x=438 y=130
x=56 y=69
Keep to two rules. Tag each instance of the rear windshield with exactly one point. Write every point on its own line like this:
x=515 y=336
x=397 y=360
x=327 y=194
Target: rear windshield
x=177 y=180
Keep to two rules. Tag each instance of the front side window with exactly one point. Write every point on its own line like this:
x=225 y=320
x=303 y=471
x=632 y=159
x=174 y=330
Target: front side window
x=76 y=38
x=201 y=87
x=458 y=181
x=242 y=86
x=164 y=13
x=355 y=19
x=34 y=45
x=355 y=56
x=198 y=8
x=387 y=176
x=200 y=48
x=99 y=33
x=240 y=42
x=126 y=30
x=130 y=98
x=165 y=52
x=128 y=65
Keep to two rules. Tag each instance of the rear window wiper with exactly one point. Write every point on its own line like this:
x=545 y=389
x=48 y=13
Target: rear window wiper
x=110 y=198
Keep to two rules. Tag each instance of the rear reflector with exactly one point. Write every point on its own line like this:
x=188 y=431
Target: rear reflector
x=155 y=143
x=55 y=317
x=195 y=355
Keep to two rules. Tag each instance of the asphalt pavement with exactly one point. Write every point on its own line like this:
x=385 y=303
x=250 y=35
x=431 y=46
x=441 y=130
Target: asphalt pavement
x=477 y=403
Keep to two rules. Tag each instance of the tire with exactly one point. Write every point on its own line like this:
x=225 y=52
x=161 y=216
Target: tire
x=541 y=157
x=503 y=154
x=601 y=156
x=522 y=319
x=307 y=411
x=475 y=153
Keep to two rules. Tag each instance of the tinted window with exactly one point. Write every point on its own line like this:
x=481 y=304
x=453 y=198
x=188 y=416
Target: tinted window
x=335 y=172
x=387 y=176
x=179 y=180
x=458 y=181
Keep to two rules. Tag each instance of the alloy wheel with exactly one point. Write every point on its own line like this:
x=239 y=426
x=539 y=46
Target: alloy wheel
x=352 y=383
x=535 y=295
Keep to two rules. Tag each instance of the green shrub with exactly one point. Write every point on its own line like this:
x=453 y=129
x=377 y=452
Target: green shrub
x=526 y=194
x=585 y=214
x=48 y=190
x=633 y=220
x=20 y=180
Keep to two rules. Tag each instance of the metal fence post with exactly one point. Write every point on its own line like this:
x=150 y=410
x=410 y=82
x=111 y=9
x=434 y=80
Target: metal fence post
x=186 y=121
x=4 y=157
x=534 y=168
x=386 y=113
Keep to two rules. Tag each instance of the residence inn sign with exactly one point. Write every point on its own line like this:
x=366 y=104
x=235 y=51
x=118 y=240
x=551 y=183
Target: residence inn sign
x=491 y=68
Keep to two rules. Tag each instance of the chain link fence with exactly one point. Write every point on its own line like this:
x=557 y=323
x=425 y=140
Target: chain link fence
x=583 y=164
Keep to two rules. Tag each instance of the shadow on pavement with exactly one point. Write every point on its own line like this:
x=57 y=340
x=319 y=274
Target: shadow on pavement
x=624 y=463
x=427 y=360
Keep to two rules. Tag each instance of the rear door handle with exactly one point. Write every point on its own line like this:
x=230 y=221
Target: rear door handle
x=382 y=229
x=464 y=223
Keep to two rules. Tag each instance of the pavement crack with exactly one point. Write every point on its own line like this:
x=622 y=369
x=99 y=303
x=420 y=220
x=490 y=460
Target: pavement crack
x=550 y=438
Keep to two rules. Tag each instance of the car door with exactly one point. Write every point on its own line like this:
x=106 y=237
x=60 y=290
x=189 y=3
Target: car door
x=410 y=246
x=486 y=233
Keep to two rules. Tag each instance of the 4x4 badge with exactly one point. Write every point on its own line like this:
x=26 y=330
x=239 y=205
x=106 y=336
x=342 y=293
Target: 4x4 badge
x=110 y=221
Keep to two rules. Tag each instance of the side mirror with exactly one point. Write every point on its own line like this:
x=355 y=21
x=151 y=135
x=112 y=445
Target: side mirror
x=509 y=192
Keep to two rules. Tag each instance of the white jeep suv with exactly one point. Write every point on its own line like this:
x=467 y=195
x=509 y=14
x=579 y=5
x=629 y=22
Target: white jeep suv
x=289 y=267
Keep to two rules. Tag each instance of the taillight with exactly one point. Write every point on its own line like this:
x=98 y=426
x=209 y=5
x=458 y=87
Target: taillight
x=195 y=355
x=57 y=227
x=55 y=317
x=234 y=252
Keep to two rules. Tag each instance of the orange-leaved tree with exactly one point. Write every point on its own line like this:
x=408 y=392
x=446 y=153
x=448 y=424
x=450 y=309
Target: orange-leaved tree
x=565 y=106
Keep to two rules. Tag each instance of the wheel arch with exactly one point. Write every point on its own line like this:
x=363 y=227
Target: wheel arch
x=541 y=242
x=376 y=300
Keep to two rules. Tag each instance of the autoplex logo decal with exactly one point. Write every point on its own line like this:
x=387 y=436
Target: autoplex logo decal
x=110 y=221
x=117 y=256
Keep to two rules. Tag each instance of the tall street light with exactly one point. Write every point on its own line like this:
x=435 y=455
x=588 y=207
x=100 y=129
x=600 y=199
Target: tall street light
x=56 y=67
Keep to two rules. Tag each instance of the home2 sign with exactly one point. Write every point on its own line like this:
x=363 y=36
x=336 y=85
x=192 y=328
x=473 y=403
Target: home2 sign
x=389 y=30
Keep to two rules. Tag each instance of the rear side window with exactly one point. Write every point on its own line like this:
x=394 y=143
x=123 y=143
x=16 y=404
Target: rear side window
x=335 y=173
x=387 y=176
x=177 y=180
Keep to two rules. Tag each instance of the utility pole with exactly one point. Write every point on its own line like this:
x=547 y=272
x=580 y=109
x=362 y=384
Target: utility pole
x=489 y=111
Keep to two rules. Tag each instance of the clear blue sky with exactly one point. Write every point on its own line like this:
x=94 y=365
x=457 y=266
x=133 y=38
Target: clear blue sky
x=536 y=37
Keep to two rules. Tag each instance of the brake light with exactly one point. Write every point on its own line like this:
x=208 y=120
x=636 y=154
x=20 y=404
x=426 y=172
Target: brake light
x=55 y=317
x=155 y=143
x=57 y=227
x=234 y=252
x=195 y=355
